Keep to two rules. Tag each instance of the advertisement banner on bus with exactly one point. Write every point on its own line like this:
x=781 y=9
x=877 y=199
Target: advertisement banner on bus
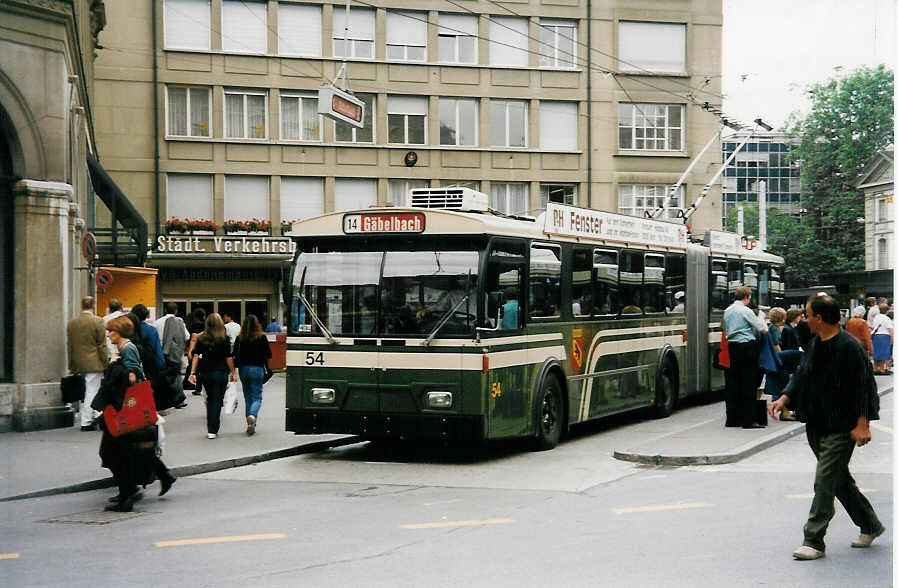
x=597 y=224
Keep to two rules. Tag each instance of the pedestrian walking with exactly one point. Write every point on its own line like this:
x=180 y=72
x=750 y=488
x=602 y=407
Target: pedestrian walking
x=857 y=327
x=251 y=355
x=742 y=328
x=882 y=335
x=174 y=336
x=872 y=311
x=789 y=339
x=834 y=389
x=88 y=355
x=213 y=366
x=197 y=325
x=231 y=328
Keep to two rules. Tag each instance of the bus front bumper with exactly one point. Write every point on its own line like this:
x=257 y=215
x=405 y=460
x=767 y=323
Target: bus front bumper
x=387 y=425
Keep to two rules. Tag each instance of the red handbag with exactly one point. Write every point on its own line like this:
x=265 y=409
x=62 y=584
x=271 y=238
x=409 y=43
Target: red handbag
x=138 y=411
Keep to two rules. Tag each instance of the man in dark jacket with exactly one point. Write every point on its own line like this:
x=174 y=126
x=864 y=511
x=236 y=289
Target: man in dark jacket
x=831 y=389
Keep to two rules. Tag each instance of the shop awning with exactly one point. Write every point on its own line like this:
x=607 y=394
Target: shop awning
x=114 y=248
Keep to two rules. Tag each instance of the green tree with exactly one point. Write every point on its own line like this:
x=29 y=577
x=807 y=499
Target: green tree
x=851 y=118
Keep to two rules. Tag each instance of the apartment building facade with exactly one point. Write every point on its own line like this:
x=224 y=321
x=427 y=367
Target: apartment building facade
x=207 y=109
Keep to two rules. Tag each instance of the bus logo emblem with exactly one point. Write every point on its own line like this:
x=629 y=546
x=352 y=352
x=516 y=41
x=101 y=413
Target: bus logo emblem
x=577 y=354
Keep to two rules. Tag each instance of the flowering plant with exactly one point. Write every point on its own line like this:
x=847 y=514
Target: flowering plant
x=233 y=225
x=176 y=224
x=287 y=225
x=201 y=224
x=257 y=224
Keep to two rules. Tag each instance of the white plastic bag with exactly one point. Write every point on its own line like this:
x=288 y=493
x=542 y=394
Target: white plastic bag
x=230 y=398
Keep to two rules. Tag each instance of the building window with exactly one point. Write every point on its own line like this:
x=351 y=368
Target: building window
x=399 y=189
x=558 y=43
x=346 y=133
x=301 y=197
x=637 y=199
x=457 y=36
x=472 y=184
x=509 y=198
x=651 y=46
x=187 y=24
x=560 y=193
x=508 y=41
x=882 y=209
x=407 y=119
x=508 y=123
x=244 y=26
x=299 y=29
x=358 y=41
x=650 y=127
x=245 y=114
x=300 y=120
x=558 y=125
x=354 y=193
x=882 y=253
x=188 y=196
x=458 y=121
x=406 y=35
x=246 y=197
x=188 y=111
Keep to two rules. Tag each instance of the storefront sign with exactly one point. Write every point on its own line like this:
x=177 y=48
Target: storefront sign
x=406 y=222
x=597 y=224
x=184 y=274
x=218 y=245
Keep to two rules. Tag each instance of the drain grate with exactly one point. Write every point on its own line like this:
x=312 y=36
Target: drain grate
x=94 y=517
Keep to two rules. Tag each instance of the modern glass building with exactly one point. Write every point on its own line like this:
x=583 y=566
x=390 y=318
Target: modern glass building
x=764 y=157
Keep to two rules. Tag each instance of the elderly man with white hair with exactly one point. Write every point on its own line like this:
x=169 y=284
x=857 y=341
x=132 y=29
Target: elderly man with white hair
x=857 y=326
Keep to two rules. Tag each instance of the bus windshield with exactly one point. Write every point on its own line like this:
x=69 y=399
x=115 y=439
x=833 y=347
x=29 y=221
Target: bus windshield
x=392 y=293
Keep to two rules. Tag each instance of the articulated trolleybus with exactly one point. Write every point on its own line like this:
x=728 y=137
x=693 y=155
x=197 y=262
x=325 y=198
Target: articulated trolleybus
x=445 y=320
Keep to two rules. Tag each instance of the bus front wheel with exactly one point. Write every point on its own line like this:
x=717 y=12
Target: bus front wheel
x=550 y=414
x=665 y=390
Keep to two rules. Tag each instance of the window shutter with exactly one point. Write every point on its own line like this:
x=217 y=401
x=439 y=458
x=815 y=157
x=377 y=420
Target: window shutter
x=508 y=41
x=653 y=46
x=189 y=196
x=451 y=24
x=244 y=26
x=246 y=197
x=354 y=193
x=406 y=28
x=361 y=23
x=187 y=24
x=407 y=105
x=299 y=29
x=558 y=125
x=301 y=197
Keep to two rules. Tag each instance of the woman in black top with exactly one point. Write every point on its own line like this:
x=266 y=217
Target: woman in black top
x=251 y=351
x=197 y=324
x=212 y=360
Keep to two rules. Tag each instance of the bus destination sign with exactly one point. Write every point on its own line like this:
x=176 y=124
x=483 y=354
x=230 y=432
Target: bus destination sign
x=597 y=224
x=384 y=222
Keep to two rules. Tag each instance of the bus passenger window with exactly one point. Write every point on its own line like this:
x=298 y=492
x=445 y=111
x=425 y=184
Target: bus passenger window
x=718 y=284
x=604 y=263
x=631 y=271
x=734 y=278
x=545 y=281
x=751 y=280
x=675 y=283
x=581 y=283
x=653 y=285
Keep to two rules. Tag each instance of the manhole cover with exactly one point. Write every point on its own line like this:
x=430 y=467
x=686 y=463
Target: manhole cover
x=94 y=517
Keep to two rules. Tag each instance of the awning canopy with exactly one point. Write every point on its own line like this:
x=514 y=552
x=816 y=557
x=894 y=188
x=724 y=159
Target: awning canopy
x=123 y=212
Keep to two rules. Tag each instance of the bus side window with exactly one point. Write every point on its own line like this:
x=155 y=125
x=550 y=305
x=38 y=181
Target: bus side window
x=631 y=270
x=653 y=284
x=718 y=285
x=751 y=280
x=545 y=281
x=675 y=283
x=734 y=278
x=581 y=283
x=604 y=264
x=764 y=298
x=503 y=290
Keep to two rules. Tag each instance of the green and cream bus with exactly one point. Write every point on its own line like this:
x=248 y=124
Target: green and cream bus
x=444 y=320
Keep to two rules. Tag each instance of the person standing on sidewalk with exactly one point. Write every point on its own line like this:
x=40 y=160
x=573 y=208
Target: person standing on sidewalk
x=743 y=328
x=251 y=354
x=212 y=360
x=833 y=390
x=883 y=333
x=857 y=326
x=231 y=328
x=88 y=355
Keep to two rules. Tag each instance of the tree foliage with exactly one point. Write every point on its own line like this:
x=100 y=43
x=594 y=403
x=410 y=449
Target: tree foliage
x=851 y=118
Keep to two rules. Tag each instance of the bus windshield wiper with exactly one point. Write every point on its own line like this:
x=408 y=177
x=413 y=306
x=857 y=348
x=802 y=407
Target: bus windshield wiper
x=302 y=298
x=443 y=320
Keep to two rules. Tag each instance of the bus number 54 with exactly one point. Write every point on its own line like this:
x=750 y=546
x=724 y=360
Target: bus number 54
x=313 y=358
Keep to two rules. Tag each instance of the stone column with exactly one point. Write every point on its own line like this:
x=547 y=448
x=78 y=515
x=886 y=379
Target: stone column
x=42 y=263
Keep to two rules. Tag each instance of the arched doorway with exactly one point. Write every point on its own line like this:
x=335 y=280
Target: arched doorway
x=6 y=259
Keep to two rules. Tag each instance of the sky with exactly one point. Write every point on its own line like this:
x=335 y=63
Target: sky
x=774 y=49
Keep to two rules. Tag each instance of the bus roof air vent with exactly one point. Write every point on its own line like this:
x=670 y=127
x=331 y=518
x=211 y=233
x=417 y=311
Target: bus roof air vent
x=461 y=199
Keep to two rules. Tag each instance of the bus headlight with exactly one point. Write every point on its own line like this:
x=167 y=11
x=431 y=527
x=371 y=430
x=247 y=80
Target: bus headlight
x=323 y=395
x=439 y=399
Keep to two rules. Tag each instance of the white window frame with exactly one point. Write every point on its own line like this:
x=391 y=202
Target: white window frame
x=353 y=37
x=507 y=113
x=342 y=182
x=506 y=186
x=509 y=33
x=194 y=197
x=548 y=120
x=544 y=196
x=370 y=116
x=453 y=32
x=305 y=192
x=640 y=110
x=188 y=89
x=882 y=257
x=649 y=193
x=882 y=209
x=406 y=184
x=630 y=63
x=415 y=19
x=226 y=39
x=457 y=120
x=551 y=54
x=398 y=111
x=229 y=214
x=167 y=41
x=244 y=93
x=303 y=97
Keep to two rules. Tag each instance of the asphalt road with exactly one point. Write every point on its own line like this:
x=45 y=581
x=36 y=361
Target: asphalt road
x=370 y=516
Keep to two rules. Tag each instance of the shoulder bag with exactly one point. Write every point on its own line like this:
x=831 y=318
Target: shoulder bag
x=72 y=388
x=138 y=411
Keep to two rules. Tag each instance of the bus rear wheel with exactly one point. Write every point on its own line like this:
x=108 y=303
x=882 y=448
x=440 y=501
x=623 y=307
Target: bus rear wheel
x=665 y=390
x=550 y=414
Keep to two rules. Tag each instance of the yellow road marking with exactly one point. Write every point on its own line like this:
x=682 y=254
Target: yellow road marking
x=231 y=539
x=457 y=524
x=9 y=556
x=879 y=427
x=811 y=494
x=662 y=507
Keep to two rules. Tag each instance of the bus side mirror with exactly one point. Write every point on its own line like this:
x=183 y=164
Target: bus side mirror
x=495 y=301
